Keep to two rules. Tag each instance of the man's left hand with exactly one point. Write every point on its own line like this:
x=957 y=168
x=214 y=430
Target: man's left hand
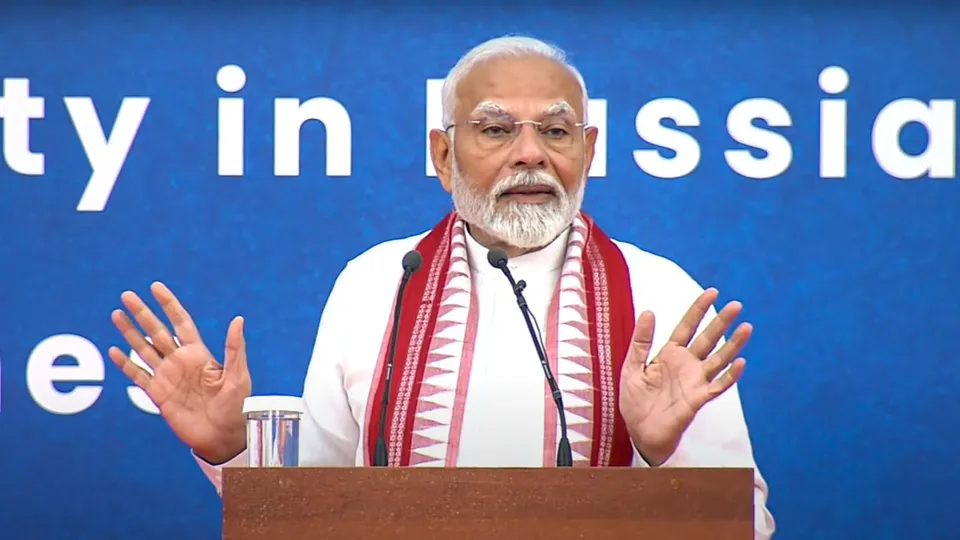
x=659 y=399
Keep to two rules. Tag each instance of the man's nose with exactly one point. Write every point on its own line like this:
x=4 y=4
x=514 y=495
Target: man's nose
x=527 y=150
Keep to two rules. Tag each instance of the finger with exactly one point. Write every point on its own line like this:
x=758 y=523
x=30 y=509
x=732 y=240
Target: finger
x=724 y=382
x=160 y=337
x=235 y=350
x=683 y=333
x=135 y=339
x=642 y=338
x=183 y=325
x=708 y=339
x=133 y=372
x=719 y=360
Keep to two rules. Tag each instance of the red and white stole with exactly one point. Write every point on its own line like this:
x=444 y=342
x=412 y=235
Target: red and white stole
x=589 y=329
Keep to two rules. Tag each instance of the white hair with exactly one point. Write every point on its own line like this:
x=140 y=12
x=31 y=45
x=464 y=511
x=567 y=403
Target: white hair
x=506 y=46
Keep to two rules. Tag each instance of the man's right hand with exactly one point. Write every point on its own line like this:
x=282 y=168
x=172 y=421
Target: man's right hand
x=200 y=399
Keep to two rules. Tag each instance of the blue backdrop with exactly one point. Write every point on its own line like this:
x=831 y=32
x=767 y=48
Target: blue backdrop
x=850 y=391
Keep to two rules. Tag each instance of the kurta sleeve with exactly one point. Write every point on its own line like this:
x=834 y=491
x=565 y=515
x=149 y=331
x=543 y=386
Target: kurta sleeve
x=328 y=433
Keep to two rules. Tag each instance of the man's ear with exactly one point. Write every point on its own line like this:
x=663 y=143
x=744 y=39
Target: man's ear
x=590 y=143
x=441 y=153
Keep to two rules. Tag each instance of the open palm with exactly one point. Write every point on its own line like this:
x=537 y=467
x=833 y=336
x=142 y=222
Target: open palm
x=659 y=399
x=198 y=397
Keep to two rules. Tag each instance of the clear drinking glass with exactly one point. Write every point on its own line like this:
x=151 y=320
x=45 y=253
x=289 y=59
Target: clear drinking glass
x=273 y=430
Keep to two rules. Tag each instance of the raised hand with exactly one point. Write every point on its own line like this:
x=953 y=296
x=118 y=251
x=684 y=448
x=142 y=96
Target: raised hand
x=659 y=400
x=200 y=399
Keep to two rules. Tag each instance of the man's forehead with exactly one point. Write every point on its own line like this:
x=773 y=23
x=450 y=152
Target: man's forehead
x=519 y=86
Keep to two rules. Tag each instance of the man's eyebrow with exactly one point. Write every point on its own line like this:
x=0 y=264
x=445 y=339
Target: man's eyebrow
x=491 y=108
x=559 y=109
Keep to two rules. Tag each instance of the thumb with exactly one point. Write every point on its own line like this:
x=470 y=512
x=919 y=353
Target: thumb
x=235 y=350
x=642 y=339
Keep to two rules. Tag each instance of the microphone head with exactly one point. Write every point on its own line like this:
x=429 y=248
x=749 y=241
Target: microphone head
x=497 y=258
x=412 y=261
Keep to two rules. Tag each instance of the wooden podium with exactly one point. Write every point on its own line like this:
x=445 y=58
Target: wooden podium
x=358 y=503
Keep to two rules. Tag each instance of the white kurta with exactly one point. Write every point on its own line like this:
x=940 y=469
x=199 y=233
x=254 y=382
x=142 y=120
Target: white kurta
x=503 y=417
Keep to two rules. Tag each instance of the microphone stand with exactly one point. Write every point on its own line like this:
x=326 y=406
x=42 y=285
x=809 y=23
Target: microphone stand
x=564 y=452
x=411 y=263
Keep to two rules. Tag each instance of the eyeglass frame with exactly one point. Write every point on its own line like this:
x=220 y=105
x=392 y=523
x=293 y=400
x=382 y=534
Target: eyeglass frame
x=519 y=124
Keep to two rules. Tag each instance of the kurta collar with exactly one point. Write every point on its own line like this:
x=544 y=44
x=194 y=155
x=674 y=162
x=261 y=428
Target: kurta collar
x=547 y=259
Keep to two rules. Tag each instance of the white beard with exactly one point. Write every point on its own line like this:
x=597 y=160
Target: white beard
x=521 y=225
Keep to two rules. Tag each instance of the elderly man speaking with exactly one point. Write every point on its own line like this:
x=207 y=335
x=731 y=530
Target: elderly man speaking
x=633 y=345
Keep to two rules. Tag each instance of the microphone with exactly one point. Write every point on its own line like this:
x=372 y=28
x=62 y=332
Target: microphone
x=411 y=263
x=498 y=259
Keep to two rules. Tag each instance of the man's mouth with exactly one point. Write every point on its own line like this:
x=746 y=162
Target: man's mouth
x=529 y=191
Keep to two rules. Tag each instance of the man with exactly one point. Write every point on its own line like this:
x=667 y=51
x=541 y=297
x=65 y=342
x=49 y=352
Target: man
x=468 y=388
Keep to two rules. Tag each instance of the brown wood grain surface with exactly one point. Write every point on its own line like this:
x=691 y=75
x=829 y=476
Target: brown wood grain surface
x=473 y=503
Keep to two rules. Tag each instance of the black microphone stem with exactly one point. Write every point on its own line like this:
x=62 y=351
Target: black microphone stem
x=564 y=452
x=411 y=263
x=380 y=456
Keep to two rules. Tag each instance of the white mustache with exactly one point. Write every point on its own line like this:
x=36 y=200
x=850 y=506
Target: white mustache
x=530 y=178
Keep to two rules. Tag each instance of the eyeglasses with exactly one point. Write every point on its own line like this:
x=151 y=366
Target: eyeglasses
x=491 y=134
